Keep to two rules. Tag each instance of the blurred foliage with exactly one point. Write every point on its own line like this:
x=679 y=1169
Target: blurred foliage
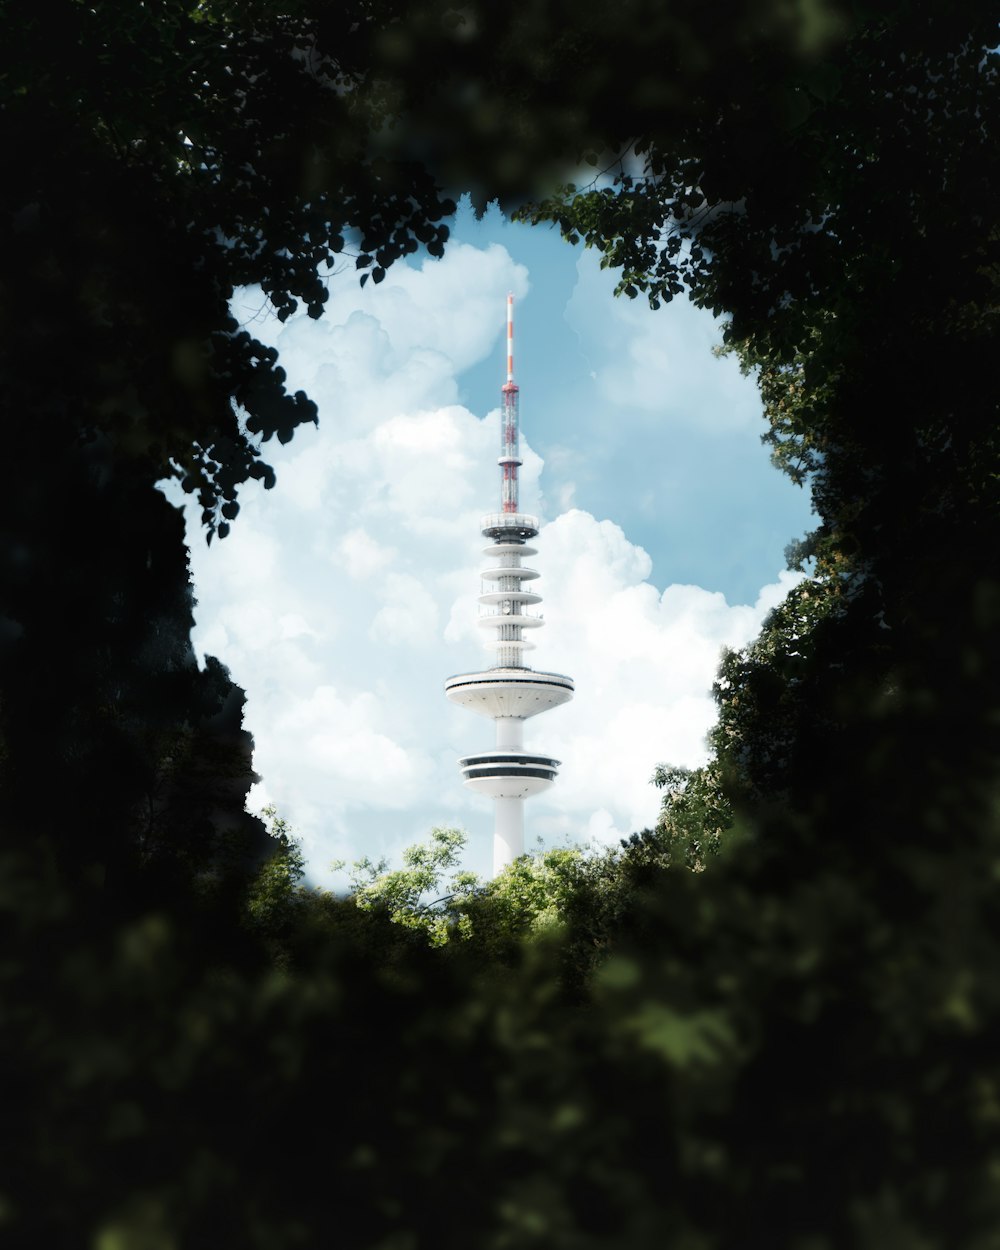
x=159 y=157
x=794 y=1047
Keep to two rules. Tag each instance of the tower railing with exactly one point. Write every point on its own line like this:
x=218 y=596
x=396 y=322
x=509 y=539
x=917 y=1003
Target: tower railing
x=508 y=521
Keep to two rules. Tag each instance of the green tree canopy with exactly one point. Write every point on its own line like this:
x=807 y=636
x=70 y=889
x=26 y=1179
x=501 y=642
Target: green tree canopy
x=796 y=1046
x=162 y=157
x=157 y=158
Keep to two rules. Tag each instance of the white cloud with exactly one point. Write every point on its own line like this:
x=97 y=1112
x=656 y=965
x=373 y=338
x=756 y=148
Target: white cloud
x=643 y=662
x=361 y=555
x=344 y=597
x=408 y=616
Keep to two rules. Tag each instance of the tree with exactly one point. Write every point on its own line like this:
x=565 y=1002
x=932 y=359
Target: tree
x=161 y=160
x=157 y=160
x=277 y=894
x=523 y=901
x=402 y=893
x=695 y=813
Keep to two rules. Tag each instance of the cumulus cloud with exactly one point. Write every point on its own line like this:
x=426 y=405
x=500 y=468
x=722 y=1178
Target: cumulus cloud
x=361 y=555
x=345 y=596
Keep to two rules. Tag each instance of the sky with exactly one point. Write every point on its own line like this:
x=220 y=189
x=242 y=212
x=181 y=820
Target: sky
x=345 y=596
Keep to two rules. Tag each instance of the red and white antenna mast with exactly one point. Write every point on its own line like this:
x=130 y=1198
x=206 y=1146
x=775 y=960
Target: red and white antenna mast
x=510 y=458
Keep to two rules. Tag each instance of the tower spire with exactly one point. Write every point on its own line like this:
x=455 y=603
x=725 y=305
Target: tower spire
x=510 y=339
x=510 y=435
x=509 y=692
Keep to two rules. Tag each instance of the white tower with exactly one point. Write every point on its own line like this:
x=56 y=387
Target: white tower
x=509 y=692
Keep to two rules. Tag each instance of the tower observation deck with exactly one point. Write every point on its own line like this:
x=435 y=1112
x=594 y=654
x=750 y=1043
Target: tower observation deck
x=509 y=692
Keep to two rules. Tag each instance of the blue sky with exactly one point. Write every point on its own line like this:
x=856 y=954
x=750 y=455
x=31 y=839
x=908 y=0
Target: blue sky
x=345 y=596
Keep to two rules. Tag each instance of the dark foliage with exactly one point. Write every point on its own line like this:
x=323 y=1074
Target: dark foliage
x=795 y=1047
